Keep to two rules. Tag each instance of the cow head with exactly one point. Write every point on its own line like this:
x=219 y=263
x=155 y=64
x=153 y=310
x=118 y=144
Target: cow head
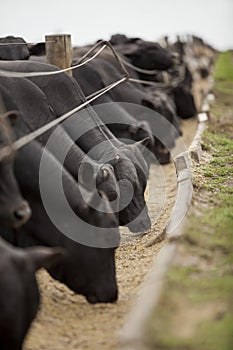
x=131 y=171
x=19 y=294
x=164 y=125
x=183 y=96
x=147 y=55
x=90 y=270
x=15 y=210
x=9 y=50
x=90 y=235
x=164 y=104
x=184 y=101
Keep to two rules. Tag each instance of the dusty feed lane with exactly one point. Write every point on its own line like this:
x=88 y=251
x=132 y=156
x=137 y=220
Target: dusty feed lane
x=67 y=321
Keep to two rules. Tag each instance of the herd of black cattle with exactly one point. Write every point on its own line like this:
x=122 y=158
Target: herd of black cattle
x=109 y=152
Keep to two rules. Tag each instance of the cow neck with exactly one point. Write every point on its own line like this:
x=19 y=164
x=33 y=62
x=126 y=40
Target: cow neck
x=36 y=117
x=102 y=128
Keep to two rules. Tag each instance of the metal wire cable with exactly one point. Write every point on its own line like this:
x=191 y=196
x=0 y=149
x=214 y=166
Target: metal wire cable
x=6 y=73
x=103 y=44
x=7 y=44
x=147 y=82
x=140 y=70
x=7 y=150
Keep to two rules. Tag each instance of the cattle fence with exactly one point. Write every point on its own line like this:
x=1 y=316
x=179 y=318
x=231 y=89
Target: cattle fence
x=6 y=151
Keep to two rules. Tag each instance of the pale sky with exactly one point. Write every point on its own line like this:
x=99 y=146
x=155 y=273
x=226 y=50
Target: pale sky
x=88 y=20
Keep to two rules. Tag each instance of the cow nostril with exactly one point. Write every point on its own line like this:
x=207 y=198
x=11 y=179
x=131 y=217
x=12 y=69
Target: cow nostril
x=22 y=213
x=19 y=214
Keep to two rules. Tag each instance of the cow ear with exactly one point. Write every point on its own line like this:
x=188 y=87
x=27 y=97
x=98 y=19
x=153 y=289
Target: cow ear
x=143 y=143
x=144 y=146
x=105 y=173
x=86 y=174
x=134 y=128
x=118 y=159
x=106 y=170
x=39 y=257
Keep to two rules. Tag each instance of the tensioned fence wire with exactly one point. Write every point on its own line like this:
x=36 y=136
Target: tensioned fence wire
x=82 y=61
x=7 y=150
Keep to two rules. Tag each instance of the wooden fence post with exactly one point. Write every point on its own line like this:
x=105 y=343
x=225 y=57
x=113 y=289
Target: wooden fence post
x=59 y=51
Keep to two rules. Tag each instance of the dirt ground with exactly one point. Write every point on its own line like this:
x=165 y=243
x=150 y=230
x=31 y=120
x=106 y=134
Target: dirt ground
x=67 y=321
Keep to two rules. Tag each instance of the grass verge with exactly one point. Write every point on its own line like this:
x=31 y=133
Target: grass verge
x=195 y=311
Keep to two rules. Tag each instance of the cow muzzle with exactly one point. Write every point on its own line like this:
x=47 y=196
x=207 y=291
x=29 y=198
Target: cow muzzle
x=108 y=296
x=140 y=226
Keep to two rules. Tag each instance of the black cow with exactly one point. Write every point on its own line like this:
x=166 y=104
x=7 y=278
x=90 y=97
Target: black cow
x=14 y=210
x=35 y=111
x=92 y=77
x=19 y=293
x=89 y=265
x=64 y=94
x=163 y=103
x=181 y=92
x=88 y=270
x=184 y=100
x=152 y=56
x=143 y=54
x=121 y=123
x=101 y=73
